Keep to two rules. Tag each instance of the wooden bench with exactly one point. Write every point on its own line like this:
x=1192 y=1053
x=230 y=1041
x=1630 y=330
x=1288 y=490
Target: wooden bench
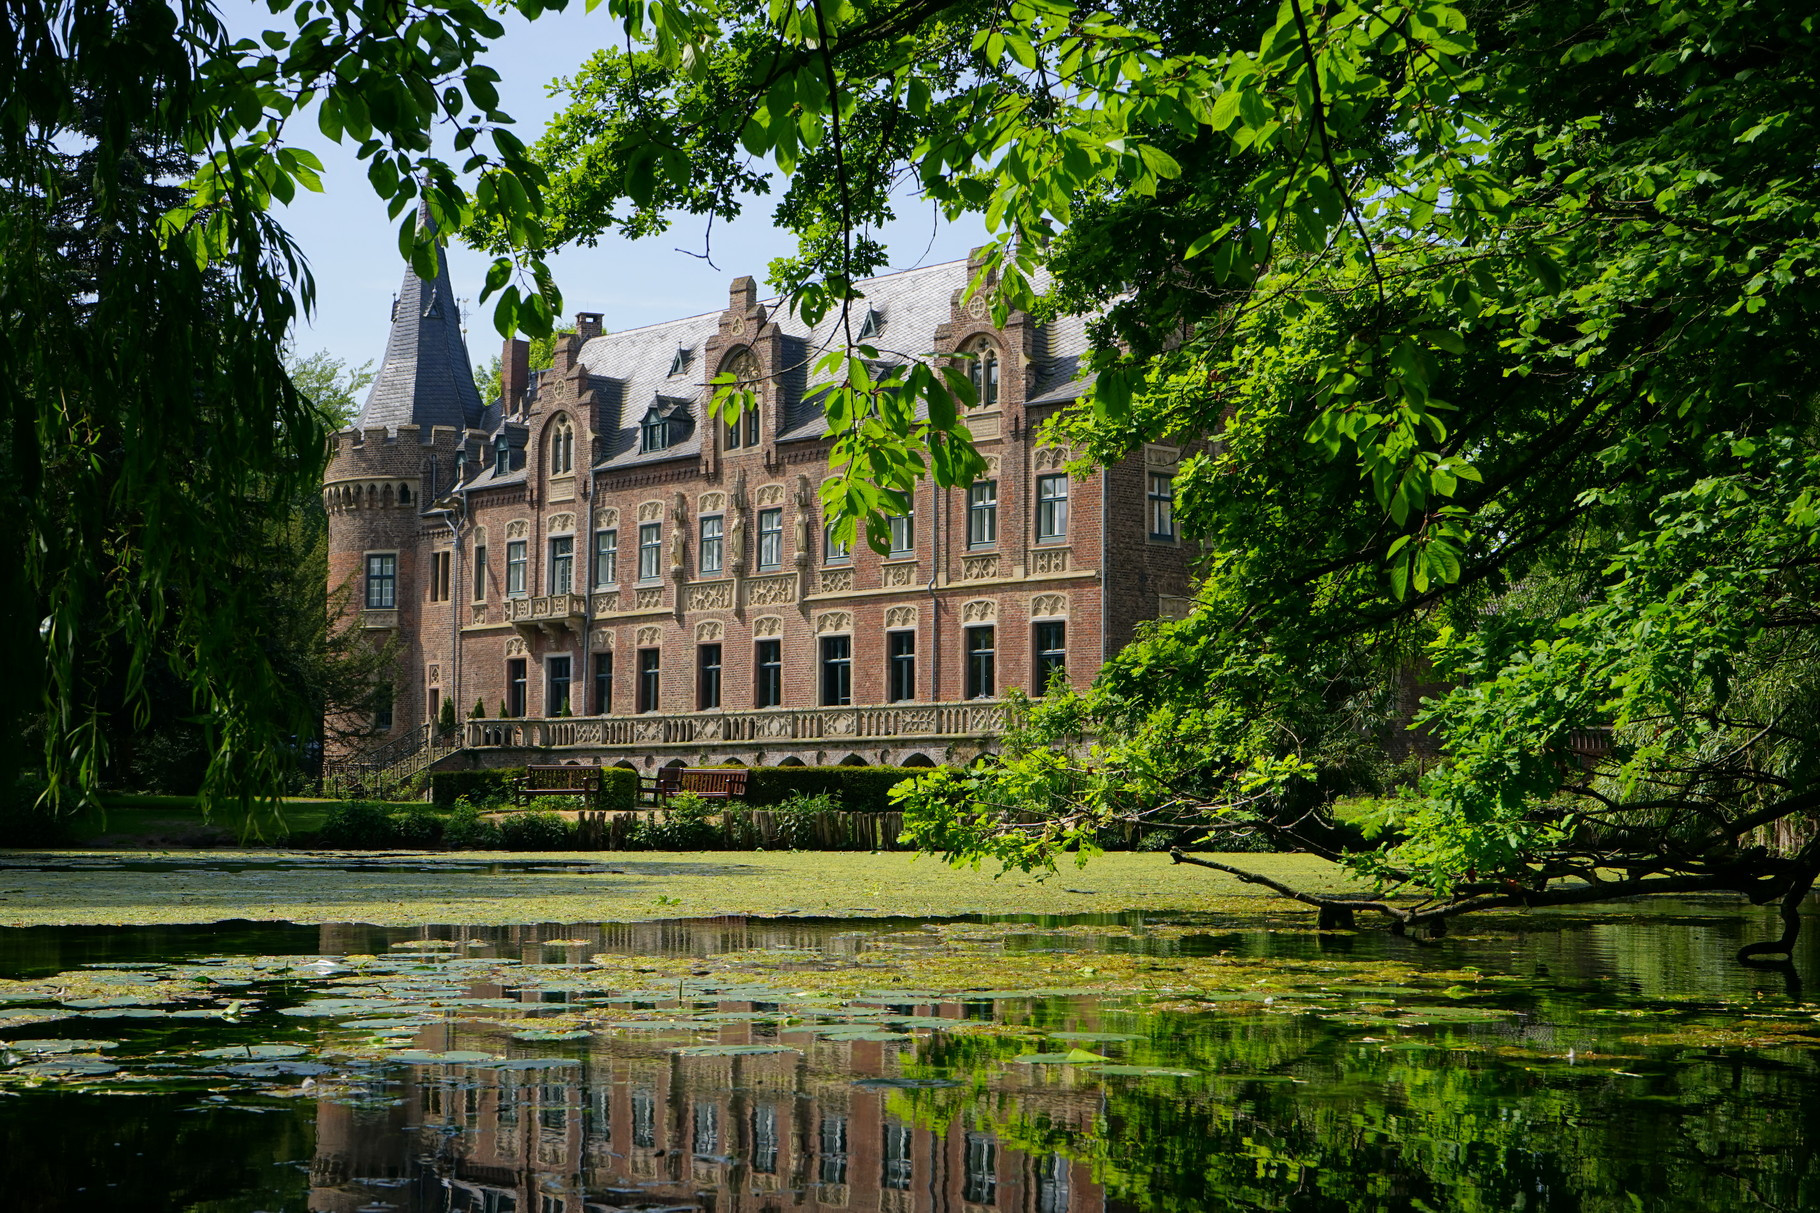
x=559 y=781
x=709 y=783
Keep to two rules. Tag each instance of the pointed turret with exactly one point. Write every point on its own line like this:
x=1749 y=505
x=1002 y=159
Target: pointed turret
x=426 y=379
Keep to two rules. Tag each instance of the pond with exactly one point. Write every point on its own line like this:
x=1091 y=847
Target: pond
x=1024 y=1064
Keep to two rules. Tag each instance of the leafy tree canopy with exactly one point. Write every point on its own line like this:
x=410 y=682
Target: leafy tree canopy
x=1487 y=323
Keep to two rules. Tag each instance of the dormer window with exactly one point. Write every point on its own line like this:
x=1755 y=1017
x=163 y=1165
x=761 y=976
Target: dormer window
x=742 y=431
x=680 y=363
x=872 y=325
x=502 y=456
x=562 y=447
x=982 y=369
x=654 y=431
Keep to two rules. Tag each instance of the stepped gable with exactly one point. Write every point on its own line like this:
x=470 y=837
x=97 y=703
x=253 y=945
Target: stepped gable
x=639 y=362
x=426 y=379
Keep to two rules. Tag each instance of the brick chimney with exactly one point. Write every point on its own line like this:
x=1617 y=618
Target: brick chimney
x=514 y=374
x=587 y=325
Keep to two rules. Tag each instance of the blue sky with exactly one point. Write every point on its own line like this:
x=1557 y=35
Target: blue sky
x=352 y=247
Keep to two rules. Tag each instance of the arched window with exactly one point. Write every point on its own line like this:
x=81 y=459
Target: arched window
x=743 y=430
x=562 y=447
x=982 y=369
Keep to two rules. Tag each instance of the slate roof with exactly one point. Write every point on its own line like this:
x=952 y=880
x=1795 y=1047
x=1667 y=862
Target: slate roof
x=426 y=378
x=631 y=369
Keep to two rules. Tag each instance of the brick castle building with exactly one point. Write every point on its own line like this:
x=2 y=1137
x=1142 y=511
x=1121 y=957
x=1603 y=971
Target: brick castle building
x=614 y=575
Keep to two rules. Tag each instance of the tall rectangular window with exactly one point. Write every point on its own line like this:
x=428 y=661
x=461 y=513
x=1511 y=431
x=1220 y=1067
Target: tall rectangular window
x=837 y=671
x=515 y=686
x=832 y=1159
x=710 y=556
x=647 y=678
x=440 y=564
x=896 y=1170
x=382 y=582
x=382 y=712
x=516 y=566
x=603 y=684
x=562 y=564
x=558 y=674
x=770 y=539
x=707 y=676
x=903 y=534
x=1162 y=506
x=606 y=559
x=1051 y=508
x=706 y=1138
x=650 y=550
x=1052 y=1184
x=901 y=650
x=982 y=660
x=768 y=661
x=644 y=1118
x=480 y=571
x=982 y=514
x=765 y=1139
x=835 y=550
x=981 y=1186
x=1051 y=653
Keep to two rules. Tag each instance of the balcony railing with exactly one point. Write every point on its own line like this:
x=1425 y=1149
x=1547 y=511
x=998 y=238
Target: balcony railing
x=547 y=608
x=975 y=718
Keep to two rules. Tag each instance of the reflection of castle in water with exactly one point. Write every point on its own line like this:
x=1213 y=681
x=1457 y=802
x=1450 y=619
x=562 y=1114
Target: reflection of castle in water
x=630 y=1124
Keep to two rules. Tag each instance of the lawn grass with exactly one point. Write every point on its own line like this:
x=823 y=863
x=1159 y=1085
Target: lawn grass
x=126 y=816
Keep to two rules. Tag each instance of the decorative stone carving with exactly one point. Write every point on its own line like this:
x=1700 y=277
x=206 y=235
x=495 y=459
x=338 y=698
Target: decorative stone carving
x=736 y=327
x=736 y=542
x=606 y=518
x=600 y=638
x=979 y=568
x=900 y=617
x=1048 y=605
x=651 y=511
x=980 y=610
x=651 y=599
x=518 y=528
x=714 y=596
x=833 y=621
x=708 y=630
x=770 y=591
x=478 y=615
x=976 y=308
x=649 y=637
x=1052 y=560
x=1160 y=456
x=804 y=499
x=711 y=503
x=836 y=581
x=769 y=494
x=606 y=600
x=768 y=625
x=515 y=647
x=992 y=465
x=435 y=676
x=738 y=499
x=898 y=576
x=1049 y=458
x=559 y=523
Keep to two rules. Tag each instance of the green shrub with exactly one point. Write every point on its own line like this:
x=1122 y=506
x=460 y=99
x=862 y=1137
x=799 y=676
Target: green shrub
x=618 y=790
x=480 y=710
x=445 y=719
x=799 y=815
x=687 y=825
x=466 y=829
x=481 y=788
x=358 y=825
x=418 y=829
x=858 y=789
x=536 y=832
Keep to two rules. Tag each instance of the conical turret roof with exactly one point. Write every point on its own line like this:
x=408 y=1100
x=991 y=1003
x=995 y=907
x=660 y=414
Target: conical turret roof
x=426 y=379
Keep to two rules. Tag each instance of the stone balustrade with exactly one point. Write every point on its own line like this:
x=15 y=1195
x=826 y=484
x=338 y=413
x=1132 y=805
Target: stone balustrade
x=548 y=610
x=909 y=721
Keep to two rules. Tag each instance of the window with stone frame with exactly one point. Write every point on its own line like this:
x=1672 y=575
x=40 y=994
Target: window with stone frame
x=650 y=550
x=518 y=565
x=382 y=581
x=1052 y=508
x=743 y=430
x=710 y=552
x=562 y=446
x=562 y=564
x=770 y=539
x=982 y=514
x=982 y=371
x=606 y=559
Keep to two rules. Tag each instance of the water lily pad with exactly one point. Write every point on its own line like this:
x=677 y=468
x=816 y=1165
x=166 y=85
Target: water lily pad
x=538 y=1063
x=577 y=1034
x=730 y=1050
x=274 y=1069
x=255 y=1052
x=904 y=1084
x=455 y=1057
x=1109 y=1036
x=67 y=1067
x=58 y=1046
x=1071 y=1057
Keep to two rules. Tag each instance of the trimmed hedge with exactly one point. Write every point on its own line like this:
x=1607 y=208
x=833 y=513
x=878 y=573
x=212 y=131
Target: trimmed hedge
x=859 y=789
x=618 y=787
